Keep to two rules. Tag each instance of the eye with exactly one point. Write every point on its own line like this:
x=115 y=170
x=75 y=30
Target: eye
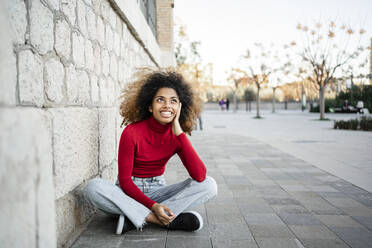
x=159 y=99
x=174 y=100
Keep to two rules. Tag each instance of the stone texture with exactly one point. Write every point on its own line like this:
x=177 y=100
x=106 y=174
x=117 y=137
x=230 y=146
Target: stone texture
x=27 y=208
x=106 y=136
x=72 y=88
x=54 y=80
x=18 y=21
x=63 y=39
x=68 y=8
x=31 y=87
x=89 y=59
x=91 y=23
x=84 y=88
x=100 y=31
x=113 y=66
x=75 y=147
x=72 y=212
x=109 y=38
x=8 y=69
x=94 y=89
x=78 y=49
x=105 y=62
x=97 y=59
x=41 y=27
x=81 y=16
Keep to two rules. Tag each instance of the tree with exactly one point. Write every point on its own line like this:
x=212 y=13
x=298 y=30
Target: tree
x=326 y=49
x=259 y=69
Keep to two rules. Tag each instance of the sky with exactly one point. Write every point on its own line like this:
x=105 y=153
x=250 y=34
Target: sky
x=227 y=28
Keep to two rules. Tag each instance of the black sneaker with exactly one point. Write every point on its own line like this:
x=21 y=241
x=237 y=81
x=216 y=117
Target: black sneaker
x=124 y=225
x=187 y=221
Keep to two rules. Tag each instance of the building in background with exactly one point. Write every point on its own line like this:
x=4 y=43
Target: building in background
x=62 y=66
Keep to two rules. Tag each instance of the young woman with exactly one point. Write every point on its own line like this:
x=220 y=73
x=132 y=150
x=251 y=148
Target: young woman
x=159 y=107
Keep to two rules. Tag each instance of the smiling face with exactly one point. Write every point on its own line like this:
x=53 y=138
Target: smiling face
x=165 y=105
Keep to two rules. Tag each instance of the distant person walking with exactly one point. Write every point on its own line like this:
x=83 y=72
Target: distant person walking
x=227 y=104
x=222 y=104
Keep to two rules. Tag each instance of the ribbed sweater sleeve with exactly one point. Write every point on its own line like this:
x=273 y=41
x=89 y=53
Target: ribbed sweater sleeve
x=190 y=159
x=127 y=149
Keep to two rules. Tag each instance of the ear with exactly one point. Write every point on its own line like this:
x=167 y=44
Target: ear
x=150 y=108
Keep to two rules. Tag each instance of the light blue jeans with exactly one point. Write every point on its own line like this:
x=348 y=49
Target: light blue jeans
x=179 y=197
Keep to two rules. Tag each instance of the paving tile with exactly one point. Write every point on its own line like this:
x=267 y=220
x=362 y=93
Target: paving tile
x=299 y=219
x=230 y=231
x=148 y=230
x=312 y=232
x=142 y=242
x=364 y=220
x=270 y=231
x=186 y=242
x=263 y=219
x=255 y=208
x=237 y=180
x=222 y=208
x=278 y=243
x=226 y=218
x=338 y=220
x=355 y=237
x=290 y=209
x=224 y=243
x=281 y=201
x=324 y=243
x=98 y=241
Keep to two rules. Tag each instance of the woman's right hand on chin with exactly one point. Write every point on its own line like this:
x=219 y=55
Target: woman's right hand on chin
x=163 y=213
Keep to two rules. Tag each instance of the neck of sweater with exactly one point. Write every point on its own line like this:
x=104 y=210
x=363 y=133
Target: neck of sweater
x=155 y=126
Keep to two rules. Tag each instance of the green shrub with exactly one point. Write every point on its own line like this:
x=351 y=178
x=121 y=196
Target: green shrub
x=364 y=123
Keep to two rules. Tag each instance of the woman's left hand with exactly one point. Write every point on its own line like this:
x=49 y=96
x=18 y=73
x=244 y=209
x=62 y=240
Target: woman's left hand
x=176 y=127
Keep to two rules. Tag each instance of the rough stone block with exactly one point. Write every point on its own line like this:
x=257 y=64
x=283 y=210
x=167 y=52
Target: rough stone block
x=81 y=16
x=84 y=88
x=97 y=59
x=94 y=89
x=107 y=136
x=116 y=43
x=78 y=49
x=63 y=39
x=109 y=38
x=41 y=27
x=100 y=31
x=68 y=8
x=105 y=62
x=27 y=207
x=91 y=22
x=113 y=66
x=72 y=212
x=8 y=69
x=54 y=78
x=75 y=146
x=72 y=88
x=31 y=87
x=18 y=21
x=89 y=59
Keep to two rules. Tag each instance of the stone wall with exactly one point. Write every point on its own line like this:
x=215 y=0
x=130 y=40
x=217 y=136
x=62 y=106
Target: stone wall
x=63 y=64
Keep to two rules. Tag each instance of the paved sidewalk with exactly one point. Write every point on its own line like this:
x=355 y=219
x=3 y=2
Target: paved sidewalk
x=266 y=198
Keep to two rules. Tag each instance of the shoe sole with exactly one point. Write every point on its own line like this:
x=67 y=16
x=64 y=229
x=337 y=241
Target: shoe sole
x=199 y=218
x=119 y=228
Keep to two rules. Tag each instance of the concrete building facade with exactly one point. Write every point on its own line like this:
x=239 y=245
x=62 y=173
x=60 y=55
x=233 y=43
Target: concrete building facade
x=63 y=64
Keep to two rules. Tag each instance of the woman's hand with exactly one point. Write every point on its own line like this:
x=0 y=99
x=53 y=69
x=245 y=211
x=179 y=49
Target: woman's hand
x=163 y=213
x=176 y=127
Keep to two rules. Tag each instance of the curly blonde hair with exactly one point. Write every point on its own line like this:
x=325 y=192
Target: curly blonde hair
x=138 y=95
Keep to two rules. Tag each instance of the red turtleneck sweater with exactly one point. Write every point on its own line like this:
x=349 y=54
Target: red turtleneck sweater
x=145 y=148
